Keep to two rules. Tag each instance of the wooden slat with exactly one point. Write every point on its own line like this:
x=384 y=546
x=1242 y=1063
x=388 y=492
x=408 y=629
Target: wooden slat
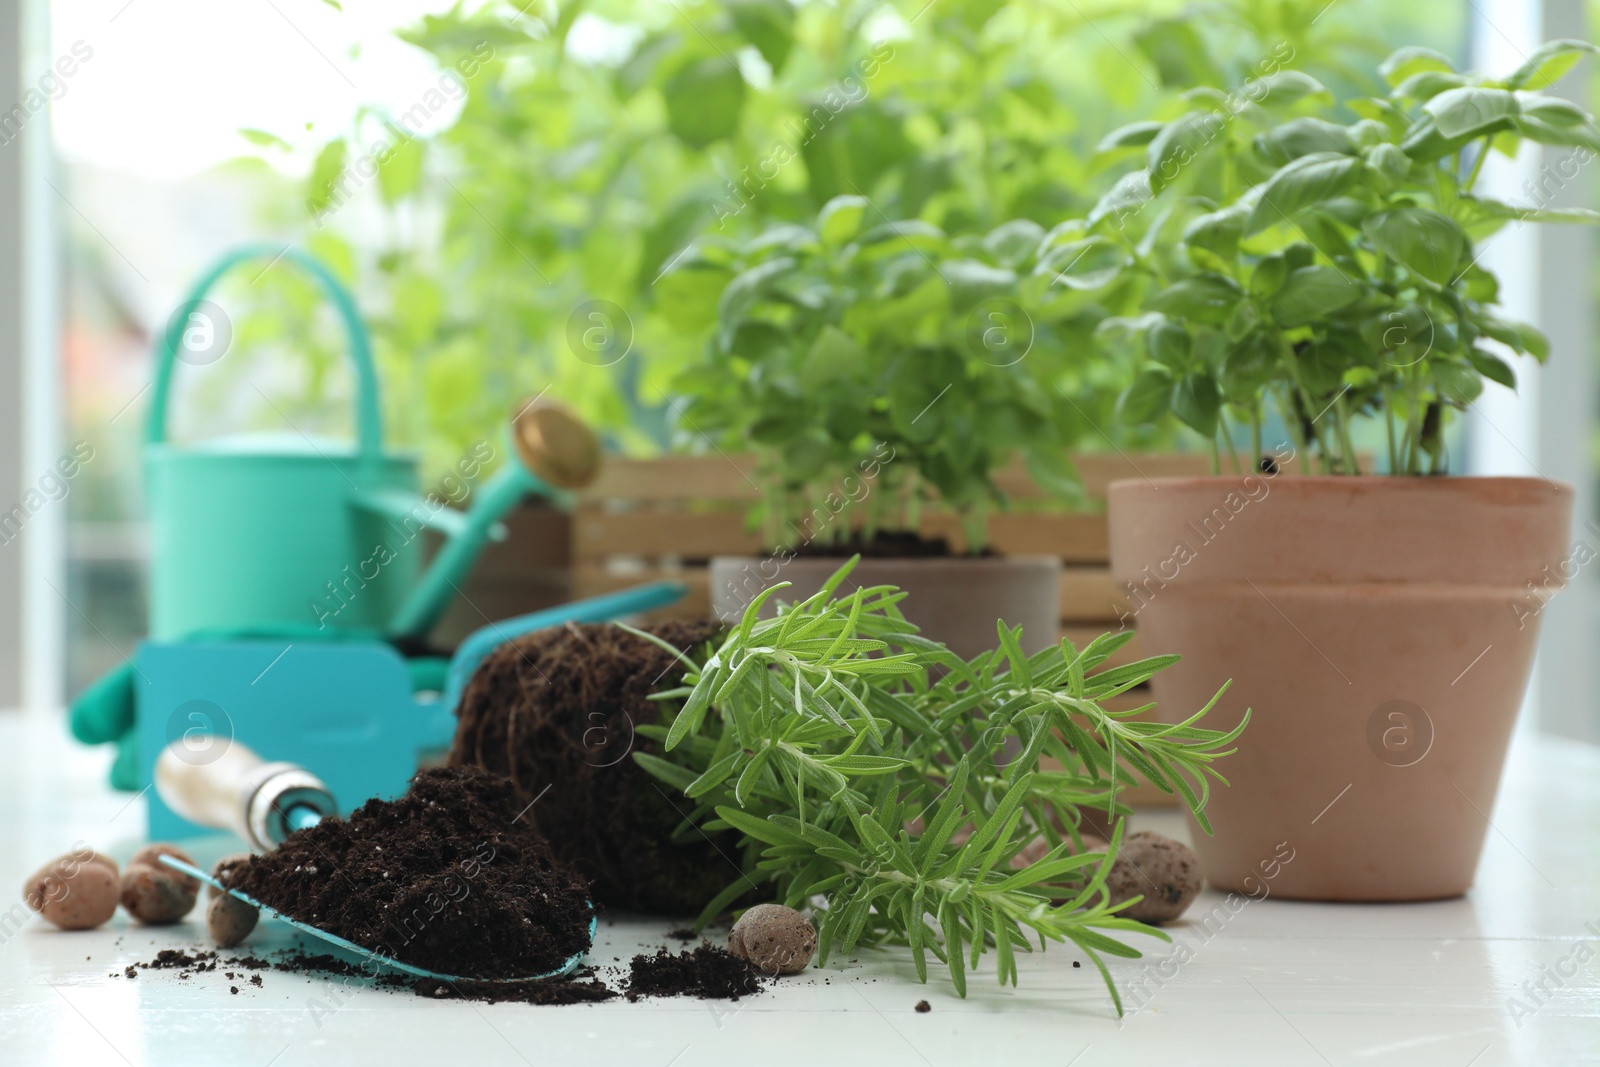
x=733 y=478
x=598 y=535
x=683 y=478
x=1089 y=595
x=1075 y=538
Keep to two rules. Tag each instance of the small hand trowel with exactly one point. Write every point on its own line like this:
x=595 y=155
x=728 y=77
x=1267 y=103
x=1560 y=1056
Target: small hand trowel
x=263 y=803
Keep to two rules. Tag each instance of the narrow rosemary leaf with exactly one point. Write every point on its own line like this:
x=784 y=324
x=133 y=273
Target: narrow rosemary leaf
x=1013 y=651
x=714 y=776
x=752 y=774
x=672 y=774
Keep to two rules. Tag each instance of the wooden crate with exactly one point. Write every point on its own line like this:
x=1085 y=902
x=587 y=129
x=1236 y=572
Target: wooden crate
x=665 y=518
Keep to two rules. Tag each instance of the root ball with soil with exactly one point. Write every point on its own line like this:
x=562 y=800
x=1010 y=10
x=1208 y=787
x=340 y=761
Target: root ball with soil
x=557 y=711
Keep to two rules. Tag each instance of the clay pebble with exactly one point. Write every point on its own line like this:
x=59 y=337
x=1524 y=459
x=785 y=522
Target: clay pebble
x=1166 y=873
x=776 y=939
x=229 y=920
x=75 y=891
x=154 y=894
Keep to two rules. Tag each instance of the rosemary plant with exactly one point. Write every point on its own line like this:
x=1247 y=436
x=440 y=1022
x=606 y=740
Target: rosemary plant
x=891 y=784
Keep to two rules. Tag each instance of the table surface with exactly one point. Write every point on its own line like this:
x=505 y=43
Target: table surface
x=1275 y=982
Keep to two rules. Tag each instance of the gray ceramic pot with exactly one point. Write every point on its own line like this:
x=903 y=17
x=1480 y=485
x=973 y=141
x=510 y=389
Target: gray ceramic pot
x=955 y=601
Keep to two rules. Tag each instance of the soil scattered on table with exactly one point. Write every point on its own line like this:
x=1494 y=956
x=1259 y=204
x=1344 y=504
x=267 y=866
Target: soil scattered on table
x=923 y=1007
x=707 y=972
x=447 y=878
x=557 y=712
x=581 y=988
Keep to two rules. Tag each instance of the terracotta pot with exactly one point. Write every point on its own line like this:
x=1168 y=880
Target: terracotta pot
x=1381 y=630
x=955 y=601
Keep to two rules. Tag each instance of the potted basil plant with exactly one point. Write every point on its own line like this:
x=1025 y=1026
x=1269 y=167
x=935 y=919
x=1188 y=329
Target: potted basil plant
x=876 y=371
x=1377 y=624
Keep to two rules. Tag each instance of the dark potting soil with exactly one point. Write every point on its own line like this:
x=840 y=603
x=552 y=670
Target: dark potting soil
x=447 y=877
x=708 y=972
x=556 y=711
x=884 y=544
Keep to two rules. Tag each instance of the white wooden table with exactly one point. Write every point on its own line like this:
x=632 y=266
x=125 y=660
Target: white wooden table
x=1278 y=983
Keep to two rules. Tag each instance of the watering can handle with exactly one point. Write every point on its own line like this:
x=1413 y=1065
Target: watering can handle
x=368 y=417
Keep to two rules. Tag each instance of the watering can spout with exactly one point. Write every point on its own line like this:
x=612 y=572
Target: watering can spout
x=554 y=451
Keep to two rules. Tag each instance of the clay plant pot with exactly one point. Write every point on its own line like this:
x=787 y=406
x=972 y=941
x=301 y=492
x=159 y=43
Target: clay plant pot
x=954 y=600
x=1380 y=630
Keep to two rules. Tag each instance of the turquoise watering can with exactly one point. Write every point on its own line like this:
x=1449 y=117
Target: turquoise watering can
x=259 y=530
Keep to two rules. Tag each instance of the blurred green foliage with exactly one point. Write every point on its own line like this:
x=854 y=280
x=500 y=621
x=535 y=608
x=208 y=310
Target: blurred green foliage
x=598 y=140
x=1329 y=267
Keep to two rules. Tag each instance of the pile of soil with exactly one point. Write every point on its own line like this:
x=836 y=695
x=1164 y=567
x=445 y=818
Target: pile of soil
x=557 y=712
x=707 y=972
x=447 y=877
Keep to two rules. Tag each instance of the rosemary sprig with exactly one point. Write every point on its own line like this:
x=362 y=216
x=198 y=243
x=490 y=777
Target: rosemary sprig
x=877 y=776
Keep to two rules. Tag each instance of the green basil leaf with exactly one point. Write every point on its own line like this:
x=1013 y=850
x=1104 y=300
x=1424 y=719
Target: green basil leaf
x=1126 y=198
x=1168 y=344
x=1306 y=181
x=1492 y=367
x=1312 y=292
x=1428 y=84
x=1217 y=232
x=1425 y=242
x=1268 y=276
x=1180 y=143
x=704 y=102
x=1147 y=399
x=1548 y=63
x=840 y=219
x=1301 y=137
x=1471 y=110
x=1196 y=402
x=1389 y=160
x=1403 y=63
x=1133 y=135
x=767 y=24
x=1207 y=298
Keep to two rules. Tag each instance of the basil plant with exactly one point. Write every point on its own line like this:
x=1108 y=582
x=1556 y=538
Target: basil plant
x=858 y=348
x=1323 y=261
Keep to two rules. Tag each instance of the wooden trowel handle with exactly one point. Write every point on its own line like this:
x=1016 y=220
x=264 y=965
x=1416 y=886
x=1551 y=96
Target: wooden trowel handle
x=228 y=787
